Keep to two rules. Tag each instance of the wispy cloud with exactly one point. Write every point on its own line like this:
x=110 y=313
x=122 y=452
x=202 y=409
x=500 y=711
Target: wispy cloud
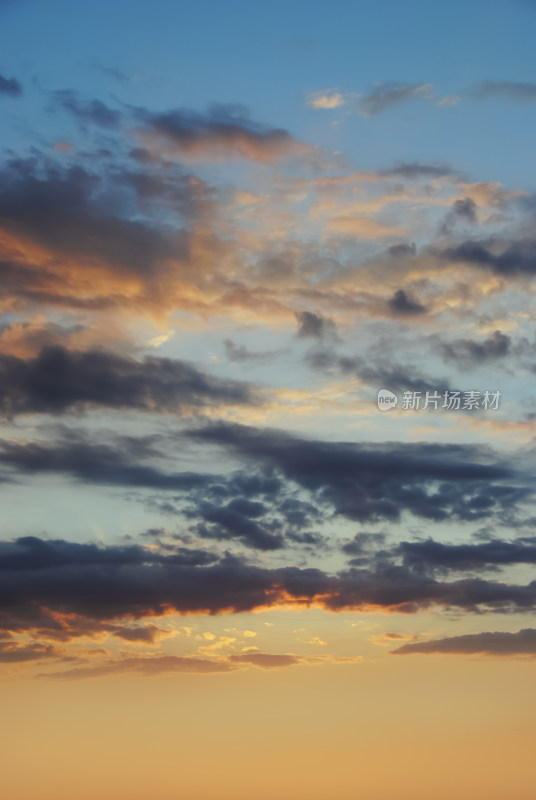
x=520 y=91
x=388 y=95
x=496 y=643
x=379 y=99
x=328 y=99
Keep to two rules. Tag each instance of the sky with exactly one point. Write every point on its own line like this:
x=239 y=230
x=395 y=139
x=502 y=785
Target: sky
x=267 y=397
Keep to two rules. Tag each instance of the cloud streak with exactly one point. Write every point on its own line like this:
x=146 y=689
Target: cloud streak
x=41 y=583
x=388 y=95
x=496 y=643
x=520 y=91
x=59 y=380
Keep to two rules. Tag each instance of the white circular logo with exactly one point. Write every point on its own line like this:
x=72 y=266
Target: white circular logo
x=386 y=400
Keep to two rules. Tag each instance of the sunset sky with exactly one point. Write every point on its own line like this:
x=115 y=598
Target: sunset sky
x=225 y=572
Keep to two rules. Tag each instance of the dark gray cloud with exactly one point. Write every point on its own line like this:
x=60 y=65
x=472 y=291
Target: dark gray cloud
x=402 y=250
x=237 y=520
x=95 y=587
x=520 y=91
x=370 y=482
x=375 y=551
x=258 y=511
x=401 y=304
x=31 y=552
x=178 y=192
x=465 y=209
x=93 y=112
x=116 y=463
x=237 y=353
x=376 y=372
x=358 y=481
x=494 y=643
x=391 y=94
x=430 y=556
x=10 y=87
x=469 y=353
x=364 y=543
x=314 y=326
x=60 y=380
x=507 y=258
x=255 y=509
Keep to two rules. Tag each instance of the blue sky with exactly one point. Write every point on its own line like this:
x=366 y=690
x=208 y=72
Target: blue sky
x=269 y=58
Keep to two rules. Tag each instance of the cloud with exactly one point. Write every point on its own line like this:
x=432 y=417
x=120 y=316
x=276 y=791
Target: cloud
x=254 y=509
x=402 y=250
x=496 y=643
x=387 y=95
x=326 y=100
x=358 y=481
x=368 y=482
x=375 y=551
x=415 y=170
x=168 y=664
x=144 y=665
x=10 y=87
x=59 y=380
x=62 y=209
x=381 y=98
x=62 y=590
x=237 y=353
x=364 y=544
x=115 y=73
x=225 y=132
x=431 y=556
x=93 y=112
x=491 y=194
x=468 y=353
x=402 y=305
x=67 y=241
x=520 y=91
x=265 y=660
x=112 y=464
x=505 y=258
x=15 y=653
x=314 y=326
x=377 y=372
x=463 y=210
x=235 y=520
x=448 y=101
x=29 y=337
x=361 y=227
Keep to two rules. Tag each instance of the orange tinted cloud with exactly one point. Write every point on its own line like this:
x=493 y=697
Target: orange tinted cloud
x=220 y=135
